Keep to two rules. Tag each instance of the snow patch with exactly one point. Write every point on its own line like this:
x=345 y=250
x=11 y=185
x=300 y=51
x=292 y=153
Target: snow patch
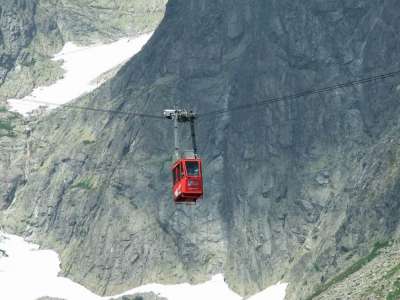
x=83 y=66
x=275 y=292
x=29 y=273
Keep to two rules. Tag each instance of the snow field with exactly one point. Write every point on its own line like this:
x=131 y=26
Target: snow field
x=83 y=66
x=28 y=273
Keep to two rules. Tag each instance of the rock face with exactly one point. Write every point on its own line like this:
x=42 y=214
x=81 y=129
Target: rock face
x=31 y=31
x=16 y=23
x=87 y=21
x=379 y=279
x=295 y=191
x=12 y=156
x=147 y=296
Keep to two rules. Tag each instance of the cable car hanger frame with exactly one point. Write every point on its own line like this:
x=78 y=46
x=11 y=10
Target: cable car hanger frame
x=187 y=186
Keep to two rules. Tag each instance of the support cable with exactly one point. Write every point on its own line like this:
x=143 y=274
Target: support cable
x=290 y=97
x=301 y=94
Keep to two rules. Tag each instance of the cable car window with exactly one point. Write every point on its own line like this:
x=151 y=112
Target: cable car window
x=174 y=175
x=192 y=168
x=179 y=172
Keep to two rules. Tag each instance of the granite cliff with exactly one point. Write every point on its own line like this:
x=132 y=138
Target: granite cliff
x=33 y=30
x=304 y=191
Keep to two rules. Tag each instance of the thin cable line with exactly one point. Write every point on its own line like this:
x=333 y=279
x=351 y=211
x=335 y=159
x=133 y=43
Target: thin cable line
x=95 y=109
x=301 y=94
x=236 y=108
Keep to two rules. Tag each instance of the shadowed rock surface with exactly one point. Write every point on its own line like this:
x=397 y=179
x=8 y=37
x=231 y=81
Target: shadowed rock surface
x=295 y=191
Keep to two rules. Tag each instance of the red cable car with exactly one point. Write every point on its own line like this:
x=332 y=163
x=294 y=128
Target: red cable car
x=187 y=180
x=187 y=186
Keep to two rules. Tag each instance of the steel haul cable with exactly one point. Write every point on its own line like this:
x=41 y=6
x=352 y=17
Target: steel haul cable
x=290 y=97
x=94 y=109
x=301 y=94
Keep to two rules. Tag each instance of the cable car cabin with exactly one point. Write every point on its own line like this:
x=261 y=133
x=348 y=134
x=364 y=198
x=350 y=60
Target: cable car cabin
x=187 y=180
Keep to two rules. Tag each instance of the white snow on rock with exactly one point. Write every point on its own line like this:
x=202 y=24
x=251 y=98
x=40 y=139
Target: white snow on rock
x=275 y=292
x=29 y=273
x=83 y=66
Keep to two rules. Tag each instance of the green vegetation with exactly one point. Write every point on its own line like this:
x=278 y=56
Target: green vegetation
x=6 y=125
x=3 y=109
x=316 y=267
x=352 y=269
x=85 y=184
x=395 y=294
x=7 y=128
x=86 y=136
x=88 y=142
x=40 y=72
x=393 y=271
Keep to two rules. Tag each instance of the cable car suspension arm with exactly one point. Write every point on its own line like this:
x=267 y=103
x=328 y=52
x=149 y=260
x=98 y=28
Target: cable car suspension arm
x=182 y=116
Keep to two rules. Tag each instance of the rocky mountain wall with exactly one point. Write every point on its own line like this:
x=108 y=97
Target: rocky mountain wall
x=17 y=31
x=295 y=191
x=32 y=31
